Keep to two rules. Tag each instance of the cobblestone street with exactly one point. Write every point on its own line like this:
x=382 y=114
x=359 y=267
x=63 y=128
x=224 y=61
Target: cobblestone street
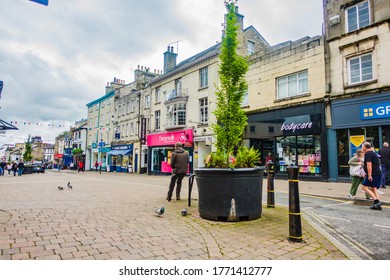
x=111 y=216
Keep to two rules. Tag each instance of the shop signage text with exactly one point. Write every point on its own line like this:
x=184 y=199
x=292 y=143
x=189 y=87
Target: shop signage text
x=296 y=126
x=122 y=147
x=375 y=111
x=170 y=138
x=301 y=125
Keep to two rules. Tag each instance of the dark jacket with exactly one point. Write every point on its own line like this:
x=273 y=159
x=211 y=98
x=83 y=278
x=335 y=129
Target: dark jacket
x=179 y=161
x=385 y=155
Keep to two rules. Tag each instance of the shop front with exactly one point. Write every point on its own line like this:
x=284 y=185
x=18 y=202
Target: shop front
x=120 y=158
x=161 y=147
x=355 y=121
x=293 y=136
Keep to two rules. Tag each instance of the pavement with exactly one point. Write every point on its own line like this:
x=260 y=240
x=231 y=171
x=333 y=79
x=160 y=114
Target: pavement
x=110 y=216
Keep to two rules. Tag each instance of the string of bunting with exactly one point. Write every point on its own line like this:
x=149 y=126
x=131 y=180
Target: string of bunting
x=53 y=125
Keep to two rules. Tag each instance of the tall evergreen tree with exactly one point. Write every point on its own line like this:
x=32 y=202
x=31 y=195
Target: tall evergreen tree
x=27 y=157
x=231 y=118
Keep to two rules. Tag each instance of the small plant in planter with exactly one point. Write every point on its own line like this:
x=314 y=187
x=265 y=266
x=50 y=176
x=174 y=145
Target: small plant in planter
x=229 y=187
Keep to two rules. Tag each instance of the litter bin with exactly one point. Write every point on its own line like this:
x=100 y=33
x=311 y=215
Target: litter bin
x=108 y=168
x=130 y=168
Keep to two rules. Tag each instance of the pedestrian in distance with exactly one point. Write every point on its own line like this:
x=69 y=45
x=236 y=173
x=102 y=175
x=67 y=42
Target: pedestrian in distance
x=356 y=171
x=71 y=165
x=384 y=152
x=100 y=167
x=372 y=180
x=179 y=164
x=80 y=167
x=9 y=168
x=3 y=166
x=96 y=165
x=14 y=167
x=20 y=167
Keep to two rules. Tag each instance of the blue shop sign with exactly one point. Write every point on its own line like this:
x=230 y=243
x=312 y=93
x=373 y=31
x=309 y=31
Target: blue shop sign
x=122 y=147
x=375 y=111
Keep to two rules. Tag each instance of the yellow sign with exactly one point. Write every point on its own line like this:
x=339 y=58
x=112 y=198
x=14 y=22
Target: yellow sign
x=357 y=140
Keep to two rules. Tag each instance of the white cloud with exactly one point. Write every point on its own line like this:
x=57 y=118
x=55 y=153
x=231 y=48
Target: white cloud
x=55 y=59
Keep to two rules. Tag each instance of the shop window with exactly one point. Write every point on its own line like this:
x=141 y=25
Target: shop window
x=292 y=85
x=303 y=151
x=204 y=77
x=358 y=16
x=203 y=106
x=360 y=69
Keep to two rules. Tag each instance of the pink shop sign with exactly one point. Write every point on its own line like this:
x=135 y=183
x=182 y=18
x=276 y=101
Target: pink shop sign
x=170 y=138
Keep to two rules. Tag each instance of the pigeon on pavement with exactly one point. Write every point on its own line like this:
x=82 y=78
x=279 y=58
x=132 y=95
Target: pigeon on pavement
x=70 y=186
x=184 y=212
x=159 y=211
x=60 y=188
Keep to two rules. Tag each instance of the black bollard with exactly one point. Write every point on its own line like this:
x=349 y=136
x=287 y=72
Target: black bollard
x=190 y=183
x=270 y=185
x=295 y=224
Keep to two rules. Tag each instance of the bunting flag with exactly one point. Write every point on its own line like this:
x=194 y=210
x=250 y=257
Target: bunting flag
x=42 y=2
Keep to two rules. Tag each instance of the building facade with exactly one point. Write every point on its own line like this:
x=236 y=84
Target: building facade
x=358 y=78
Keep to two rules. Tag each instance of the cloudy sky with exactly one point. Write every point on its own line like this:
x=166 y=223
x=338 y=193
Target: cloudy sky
x=55 y=59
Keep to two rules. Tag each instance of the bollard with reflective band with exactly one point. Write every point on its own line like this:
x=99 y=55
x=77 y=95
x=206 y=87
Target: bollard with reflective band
x=270 y=185
x=295 y=224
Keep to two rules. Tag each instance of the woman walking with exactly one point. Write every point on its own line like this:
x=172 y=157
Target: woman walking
x=356 y=171
x=9 y=168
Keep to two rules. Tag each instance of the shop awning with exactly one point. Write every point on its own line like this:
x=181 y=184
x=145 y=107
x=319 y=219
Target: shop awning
x=120 y=152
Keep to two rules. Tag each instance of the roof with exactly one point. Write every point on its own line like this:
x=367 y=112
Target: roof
x=104 y=97
x=189 y=62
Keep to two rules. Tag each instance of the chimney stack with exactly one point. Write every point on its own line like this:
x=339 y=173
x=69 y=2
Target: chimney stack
x=169 y=59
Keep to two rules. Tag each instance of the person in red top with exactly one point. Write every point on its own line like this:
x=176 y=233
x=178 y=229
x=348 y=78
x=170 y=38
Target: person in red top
x=80 y=167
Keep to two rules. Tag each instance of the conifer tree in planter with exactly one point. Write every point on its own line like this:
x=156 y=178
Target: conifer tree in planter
x=230 y=188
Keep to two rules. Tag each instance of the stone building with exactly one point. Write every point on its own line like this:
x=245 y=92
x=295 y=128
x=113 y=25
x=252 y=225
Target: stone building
x=358 y=78
x=285 y=106
x=183 y=99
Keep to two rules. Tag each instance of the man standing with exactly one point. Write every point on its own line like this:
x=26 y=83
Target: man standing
x=179 y=164
x=372 y=181
x=384 y=152
x=20 y=168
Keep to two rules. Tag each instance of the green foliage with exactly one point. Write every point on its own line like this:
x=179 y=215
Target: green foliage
x=77 y=151
x=247 y=157
x=27 y=155
x=231 y=118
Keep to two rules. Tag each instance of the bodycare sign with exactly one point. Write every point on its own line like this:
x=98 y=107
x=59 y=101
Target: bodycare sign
x=300 y=125
x=170 y=138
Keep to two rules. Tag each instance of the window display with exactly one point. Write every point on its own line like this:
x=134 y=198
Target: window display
x=303 y=151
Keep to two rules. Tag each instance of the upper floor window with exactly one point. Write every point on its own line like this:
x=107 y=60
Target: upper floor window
x=360 y=68
x=251 y=47
x=158 y=95
x=358 y=16
x=128 y=107
x=103 y=103
x=245 y=101
x=132 y=102
x=292 y=85
x=204 y=77
x=176 y=115
x=147 y=101
x=108 y=118
x=132 y=128
x=157 y=120
x=203 y=106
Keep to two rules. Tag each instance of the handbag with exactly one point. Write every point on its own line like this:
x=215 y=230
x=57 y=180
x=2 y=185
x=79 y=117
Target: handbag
x=357 y=170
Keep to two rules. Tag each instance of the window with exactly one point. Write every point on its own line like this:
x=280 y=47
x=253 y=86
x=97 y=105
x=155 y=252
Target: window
x=158 y=95
x=128 y=107
x=157 y=120
x=147 y=101
x=292 y=85
x=360 y=69
x=132 y=128
x=123 y=109
x=127 y=130
x=101 y=120
x=245 y=99
x=203 y=105
x=108 y=118
x=132 y=109
x=176 y=115
x=204 y=77
x=103 y=103
x=358 y=16
x=96 y=121
x=119 y=111
x=251 y=47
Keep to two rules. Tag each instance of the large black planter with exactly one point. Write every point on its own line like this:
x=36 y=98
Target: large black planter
x=230 y=195
x=28 y=169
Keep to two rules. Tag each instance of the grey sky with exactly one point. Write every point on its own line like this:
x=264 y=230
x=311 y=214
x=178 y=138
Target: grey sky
x=55 y=59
